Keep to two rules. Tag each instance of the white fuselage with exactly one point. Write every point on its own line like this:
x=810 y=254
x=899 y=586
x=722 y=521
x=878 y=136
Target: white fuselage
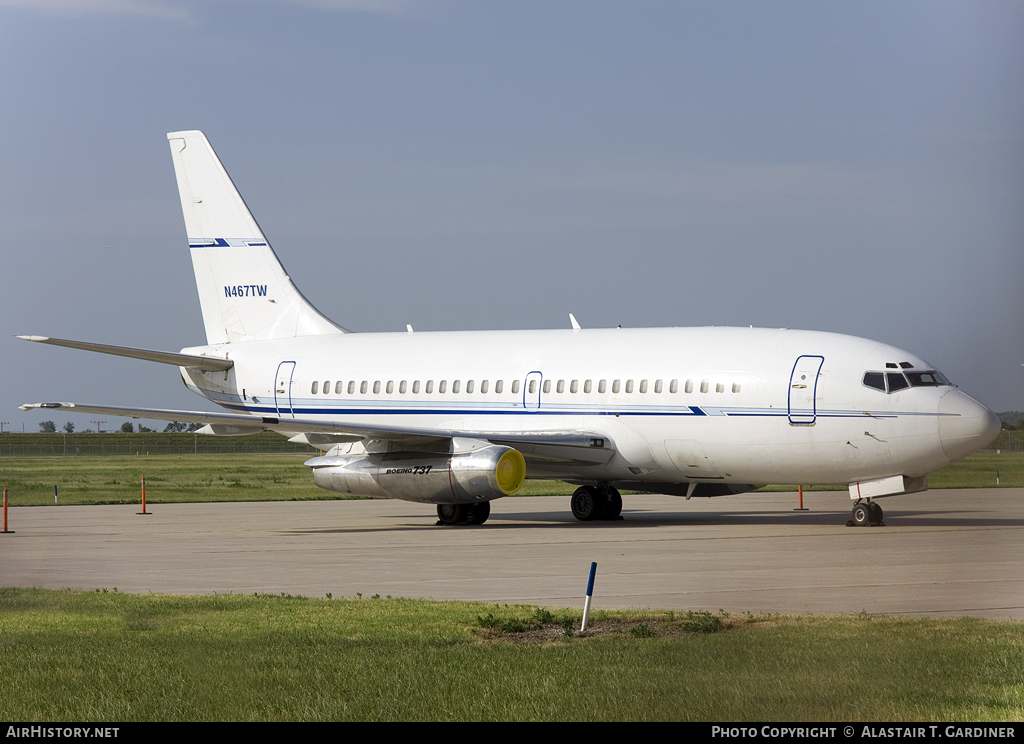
x=679 y=405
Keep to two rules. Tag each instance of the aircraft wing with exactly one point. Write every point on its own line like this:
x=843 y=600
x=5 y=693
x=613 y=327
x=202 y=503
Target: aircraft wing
x=548 y=447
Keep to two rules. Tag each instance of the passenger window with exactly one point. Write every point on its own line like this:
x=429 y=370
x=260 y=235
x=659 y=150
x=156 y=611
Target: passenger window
x=588 y=386
x=483 y=386
x=499 y=385
x=561 y=386
x=533 y=387
x=875 y=380
x=615 y=386
x=455 y=387
x=515 y=387
x=402 y=387
x=327 y=387
x=629 y=386
x=338 y=387
x=673 y=387
x=703 y=386
x=415 y=387
x=442 y=386
x=314 y=387
x=735 y=387
x=689 y=386
x=657 y=386
x=469 y=386
x=391 y=387
x=351 y=387
x=430 y=387
x=376 y=387
x=719 y=387
x=574 y=386
x=602 y=386
x=362 y=387
x=547 y=386
x=643 y=386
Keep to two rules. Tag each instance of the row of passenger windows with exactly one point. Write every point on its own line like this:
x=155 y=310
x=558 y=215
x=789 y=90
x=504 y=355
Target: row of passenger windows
x=341 y=387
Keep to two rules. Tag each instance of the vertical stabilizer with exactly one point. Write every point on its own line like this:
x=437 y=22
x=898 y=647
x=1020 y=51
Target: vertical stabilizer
x=243 y=289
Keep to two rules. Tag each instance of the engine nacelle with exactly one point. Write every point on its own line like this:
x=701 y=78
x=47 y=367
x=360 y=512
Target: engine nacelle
x=483 y=474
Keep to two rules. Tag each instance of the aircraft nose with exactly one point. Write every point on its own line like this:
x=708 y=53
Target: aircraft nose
x=965 y=425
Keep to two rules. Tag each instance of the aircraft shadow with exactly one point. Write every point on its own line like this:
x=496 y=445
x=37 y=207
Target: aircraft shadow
x=653 y=519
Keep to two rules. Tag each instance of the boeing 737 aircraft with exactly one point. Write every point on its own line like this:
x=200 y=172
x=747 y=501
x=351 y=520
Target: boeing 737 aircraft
x=459 y=419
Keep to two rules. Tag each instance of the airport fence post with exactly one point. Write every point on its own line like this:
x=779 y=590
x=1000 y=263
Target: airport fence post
x=590 y=595
x=5 y=510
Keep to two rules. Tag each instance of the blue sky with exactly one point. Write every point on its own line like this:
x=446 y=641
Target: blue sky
x=849 y=167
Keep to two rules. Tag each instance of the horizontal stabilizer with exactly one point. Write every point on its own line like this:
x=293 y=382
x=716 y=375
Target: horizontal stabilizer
x=209 y=364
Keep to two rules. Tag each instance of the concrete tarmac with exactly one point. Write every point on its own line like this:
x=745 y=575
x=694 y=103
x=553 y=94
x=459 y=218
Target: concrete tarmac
x=941 y=553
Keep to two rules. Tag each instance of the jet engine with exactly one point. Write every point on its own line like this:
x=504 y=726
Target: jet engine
x=484 y=473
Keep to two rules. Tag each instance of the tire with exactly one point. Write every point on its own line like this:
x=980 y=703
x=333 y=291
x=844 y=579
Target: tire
x=450 y=513
x=478 y=513
x=861 y=515
x=586 y=503
x=612 y=504
x=874 y=513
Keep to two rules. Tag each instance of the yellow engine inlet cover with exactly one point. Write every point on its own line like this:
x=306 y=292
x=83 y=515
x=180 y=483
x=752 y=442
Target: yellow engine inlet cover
x=510 y=471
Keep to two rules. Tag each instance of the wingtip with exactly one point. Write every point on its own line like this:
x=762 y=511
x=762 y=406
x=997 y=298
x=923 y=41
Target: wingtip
x=34 y=406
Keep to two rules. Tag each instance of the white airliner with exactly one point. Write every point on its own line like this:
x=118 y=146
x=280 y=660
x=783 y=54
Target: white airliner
x=459 y=419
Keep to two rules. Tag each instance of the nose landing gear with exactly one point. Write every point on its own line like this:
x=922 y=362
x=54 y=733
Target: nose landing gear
x=866 y=514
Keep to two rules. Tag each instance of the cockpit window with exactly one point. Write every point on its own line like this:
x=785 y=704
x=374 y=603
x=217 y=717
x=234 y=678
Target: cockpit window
x=892 y=382
x=896 y=381
x=931 y=378
x=875 y=380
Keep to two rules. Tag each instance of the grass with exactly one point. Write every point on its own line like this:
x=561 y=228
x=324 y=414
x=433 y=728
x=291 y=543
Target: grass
x=116 y=479
x=94 y=656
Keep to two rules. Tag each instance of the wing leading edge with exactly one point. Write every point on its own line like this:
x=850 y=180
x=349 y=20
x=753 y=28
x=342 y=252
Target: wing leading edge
x=576 y=446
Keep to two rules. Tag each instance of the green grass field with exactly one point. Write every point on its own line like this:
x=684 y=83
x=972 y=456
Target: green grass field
x=105 y=656
x=116 y=479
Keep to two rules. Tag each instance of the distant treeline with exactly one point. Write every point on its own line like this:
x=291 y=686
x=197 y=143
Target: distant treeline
x=145 y=443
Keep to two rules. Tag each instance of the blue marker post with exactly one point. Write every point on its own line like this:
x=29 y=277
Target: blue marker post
x=590 y=596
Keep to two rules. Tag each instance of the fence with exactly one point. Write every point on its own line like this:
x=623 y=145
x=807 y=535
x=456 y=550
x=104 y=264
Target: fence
x=1008 y=441
x=149 y=443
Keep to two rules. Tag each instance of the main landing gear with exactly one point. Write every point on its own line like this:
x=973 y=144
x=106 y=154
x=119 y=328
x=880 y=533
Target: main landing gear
x=463 y=513
x=589 y=503
x=866 y=513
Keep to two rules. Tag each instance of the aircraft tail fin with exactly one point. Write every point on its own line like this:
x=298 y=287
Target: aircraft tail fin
x=243 y=288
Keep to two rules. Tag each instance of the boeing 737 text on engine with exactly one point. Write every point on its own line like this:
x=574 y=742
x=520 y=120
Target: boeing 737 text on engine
x=459 y=419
